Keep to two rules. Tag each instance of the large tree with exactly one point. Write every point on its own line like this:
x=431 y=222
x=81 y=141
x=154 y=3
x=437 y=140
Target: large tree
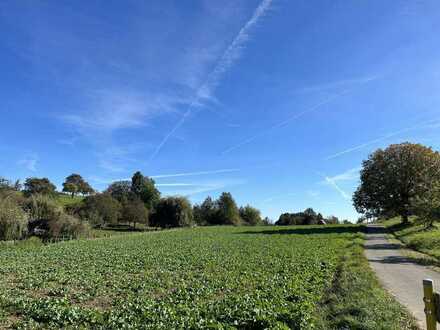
x=250 y=215
x=134 y=211
x=38 y=186
x=120 y=190
x=205 y=213
x=104 y=206
x=75 y=183
x=228 y=213
x=173 y=212
x=392 y=178
x=144 y=188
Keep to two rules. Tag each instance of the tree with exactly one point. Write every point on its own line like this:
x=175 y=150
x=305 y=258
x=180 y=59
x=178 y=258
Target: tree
x=310 y=217
x=332 y=220
x=391 y=178
x=427 y=206
x=74 y=184
x=38 y=186
x=205 y=213
x=134 y=211
x=103 y=205
x=250 y=215
x=172 y=212
x=120 y=190
x=228 y=213
x=7 y=185
x=144 y=188
x=307 y=217
x=267 y=221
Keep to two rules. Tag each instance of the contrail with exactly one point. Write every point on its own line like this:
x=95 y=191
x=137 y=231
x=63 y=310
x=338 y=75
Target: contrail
x=231 y=54
x=337 y=188
x=227 y=170
x=380 y=139
x=334 y=185
x=179 y=184
x=285 y=122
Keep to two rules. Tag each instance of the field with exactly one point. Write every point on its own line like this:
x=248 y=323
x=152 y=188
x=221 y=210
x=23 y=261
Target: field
x=218 y=278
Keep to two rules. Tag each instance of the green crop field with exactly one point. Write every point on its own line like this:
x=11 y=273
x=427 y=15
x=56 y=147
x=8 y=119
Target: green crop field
x=218 y=277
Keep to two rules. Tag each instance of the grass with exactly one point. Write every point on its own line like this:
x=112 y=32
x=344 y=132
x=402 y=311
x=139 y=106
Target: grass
x=356 y=300
x=66 y=199
x=215 y=277
x=416 y=236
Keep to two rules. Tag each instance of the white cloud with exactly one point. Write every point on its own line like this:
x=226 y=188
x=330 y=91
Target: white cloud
x=112 y=109
x=29 y=162
x=232 y=53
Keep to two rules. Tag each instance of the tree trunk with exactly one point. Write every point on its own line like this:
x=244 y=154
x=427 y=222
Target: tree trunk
x=73 y=194
x=405 y=217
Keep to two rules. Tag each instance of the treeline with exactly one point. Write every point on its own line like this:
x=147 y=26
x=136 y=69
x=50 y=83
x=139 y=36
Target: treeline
x=34 y=211
x=34 y=208
x=224 y=211
x=307 y=217
x=401 y=180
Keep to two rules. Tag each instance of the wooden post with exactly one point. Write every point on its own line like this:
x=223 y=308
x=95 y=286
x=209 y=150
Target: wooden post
x=428 y=298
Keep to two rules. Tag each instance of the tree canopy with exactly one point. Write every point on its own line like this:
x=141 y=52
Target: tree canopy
x=228 y=213
x=120 y=190
x=250 y=215
x=104 y=206
x=134 y=211
x=75 y=184
x=393 y=177
x=144 y=188
x=307 y=217
x=172 y=212
x=38 y=186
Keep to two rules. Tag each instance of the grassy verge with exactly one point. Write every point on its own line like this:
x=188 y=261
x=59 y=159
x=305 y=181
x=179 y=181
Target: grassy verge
x=357 y=301
x=416 y=236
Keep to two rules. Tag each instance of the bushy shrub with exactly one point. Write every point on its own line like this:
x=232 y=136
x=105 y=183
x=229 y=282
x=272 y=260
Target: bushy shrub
x=13 y=220
x=50 y=221
x=68 y=227
x=250 y=215
x=42 y=207
x=102 y=206
x=173 y=212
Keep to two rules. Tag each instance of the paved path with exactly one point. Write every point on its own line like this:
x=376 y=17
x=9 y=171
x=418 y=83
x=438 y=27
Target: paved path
x=397 y=273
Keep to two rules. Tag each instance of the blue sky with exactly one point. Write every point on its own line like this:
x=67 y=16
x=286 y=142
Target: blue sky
x=275 y=101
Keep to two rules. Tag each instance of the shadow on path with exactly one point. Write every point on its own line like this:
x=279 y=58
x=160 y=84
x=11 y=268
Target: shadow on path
x=383 y=246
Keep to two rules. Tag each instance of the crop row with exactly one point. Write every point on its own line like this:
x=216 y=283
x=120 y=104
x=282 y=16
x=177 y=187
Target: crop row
x=262 y=277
